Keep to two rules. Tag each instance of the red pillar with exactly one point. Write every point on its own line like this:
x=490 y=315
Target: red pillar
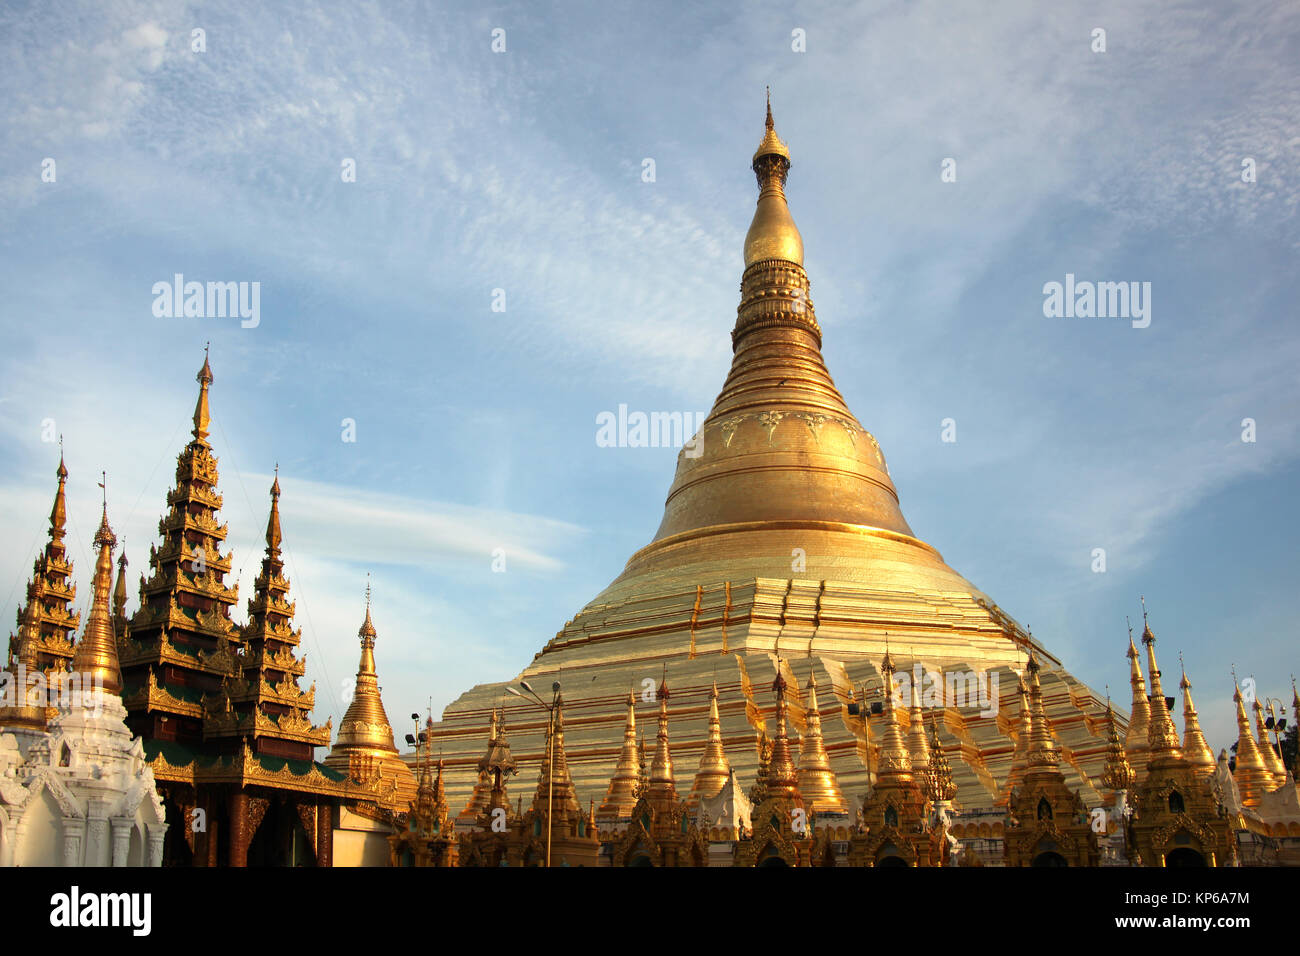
x=324 y=835
x=238 y=812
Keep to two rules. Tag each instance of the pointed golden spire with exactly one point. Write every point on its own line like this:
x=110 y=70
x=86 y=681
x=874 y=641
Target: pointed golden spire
x=365 y=728
x=1020 y=756
x=714 y=768
x=1251 y=773
x=758 y=792
x=1162 y=735
x=46 y=639
x=772 y=234
x=1271 y=759
x=817 y=782
x=782 y=778
x=894 y=757
x=1195 y=749
x=939 y=783
x=59 y=512
x=1041 y=752
x=1135 y=742
x=561 y=794
x=642 y=768
x=119 y=594
x=1117 y=774
x=918 y=747
x=661 y=789
x=95 y=657
x=273 y=536
x=478 y=798
x=620 y=798
x=499 y=764
x=202 y=419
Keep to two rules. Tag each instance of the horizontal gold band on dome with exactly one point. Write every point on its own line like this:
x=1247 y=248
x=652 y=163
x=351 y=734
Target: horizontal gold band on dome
x=779 y=525
x=807 y=469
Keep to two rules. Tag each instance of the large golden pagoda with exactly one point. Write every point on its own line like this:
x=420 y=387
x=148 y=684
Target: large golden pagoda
x=782 y=535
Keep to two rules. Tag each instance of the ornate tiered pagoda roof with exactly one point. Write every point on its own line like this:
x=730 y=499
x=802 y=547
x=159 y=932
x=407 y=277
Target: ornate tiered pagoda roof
x=46 y=622
x=182 y=643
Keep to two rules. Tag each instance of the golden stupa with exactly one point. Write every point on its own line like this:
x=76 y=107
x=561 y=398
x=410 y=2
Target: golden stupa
x=783 y=545
x=365 y=750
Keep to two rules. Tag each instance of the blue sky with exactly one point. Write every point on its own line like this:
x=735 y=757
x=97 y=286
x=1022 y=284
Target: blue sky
x=521 y=171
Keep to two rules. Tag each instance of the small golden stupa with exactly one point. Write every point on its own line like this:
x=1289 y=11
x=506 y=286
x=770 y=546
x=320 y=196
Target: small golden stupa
x=365 y=750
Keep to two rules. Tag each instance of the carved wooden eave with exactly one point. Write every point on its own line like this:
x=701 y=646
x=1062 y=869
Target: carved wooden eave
x=264 y=602
x=188 y=493
x=281 y=660
x=55 y=644
x=151 y=698
x=292 y=727
x=181 y=520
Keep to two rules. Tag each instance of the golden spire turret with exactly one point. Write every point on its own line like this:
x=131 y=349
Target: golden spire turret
x=498 y=763
x=202 y=418
x=95 y=657
x=1195 y=748
x=365 y=747
x=1251 y=773
x=1117 y=774
x=1041 y=751
x=661 y=788
x=893 y=753
x=267 y=681
x=714 y=769
x=642 y=768
x=273 y=536
x=780 y=443
x=772 y=234
x=1020 y=756
x=817 y=782
x=59 y=511
x=758 y=792
x=917 y=746
x=1135 y=742
x=939 y=783
x=1162 y=735
x=478 y=798
x=185 y=601
x=365 y=728
x=560 y=794
x=782 y=778
x=47 y=625
x=1272 y=761
x=621 y=796
x=119 y=595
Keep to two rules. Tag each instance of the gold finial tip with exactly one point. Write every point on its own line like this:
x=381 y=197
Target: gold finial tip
x=769 y=123
x=367 y=630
